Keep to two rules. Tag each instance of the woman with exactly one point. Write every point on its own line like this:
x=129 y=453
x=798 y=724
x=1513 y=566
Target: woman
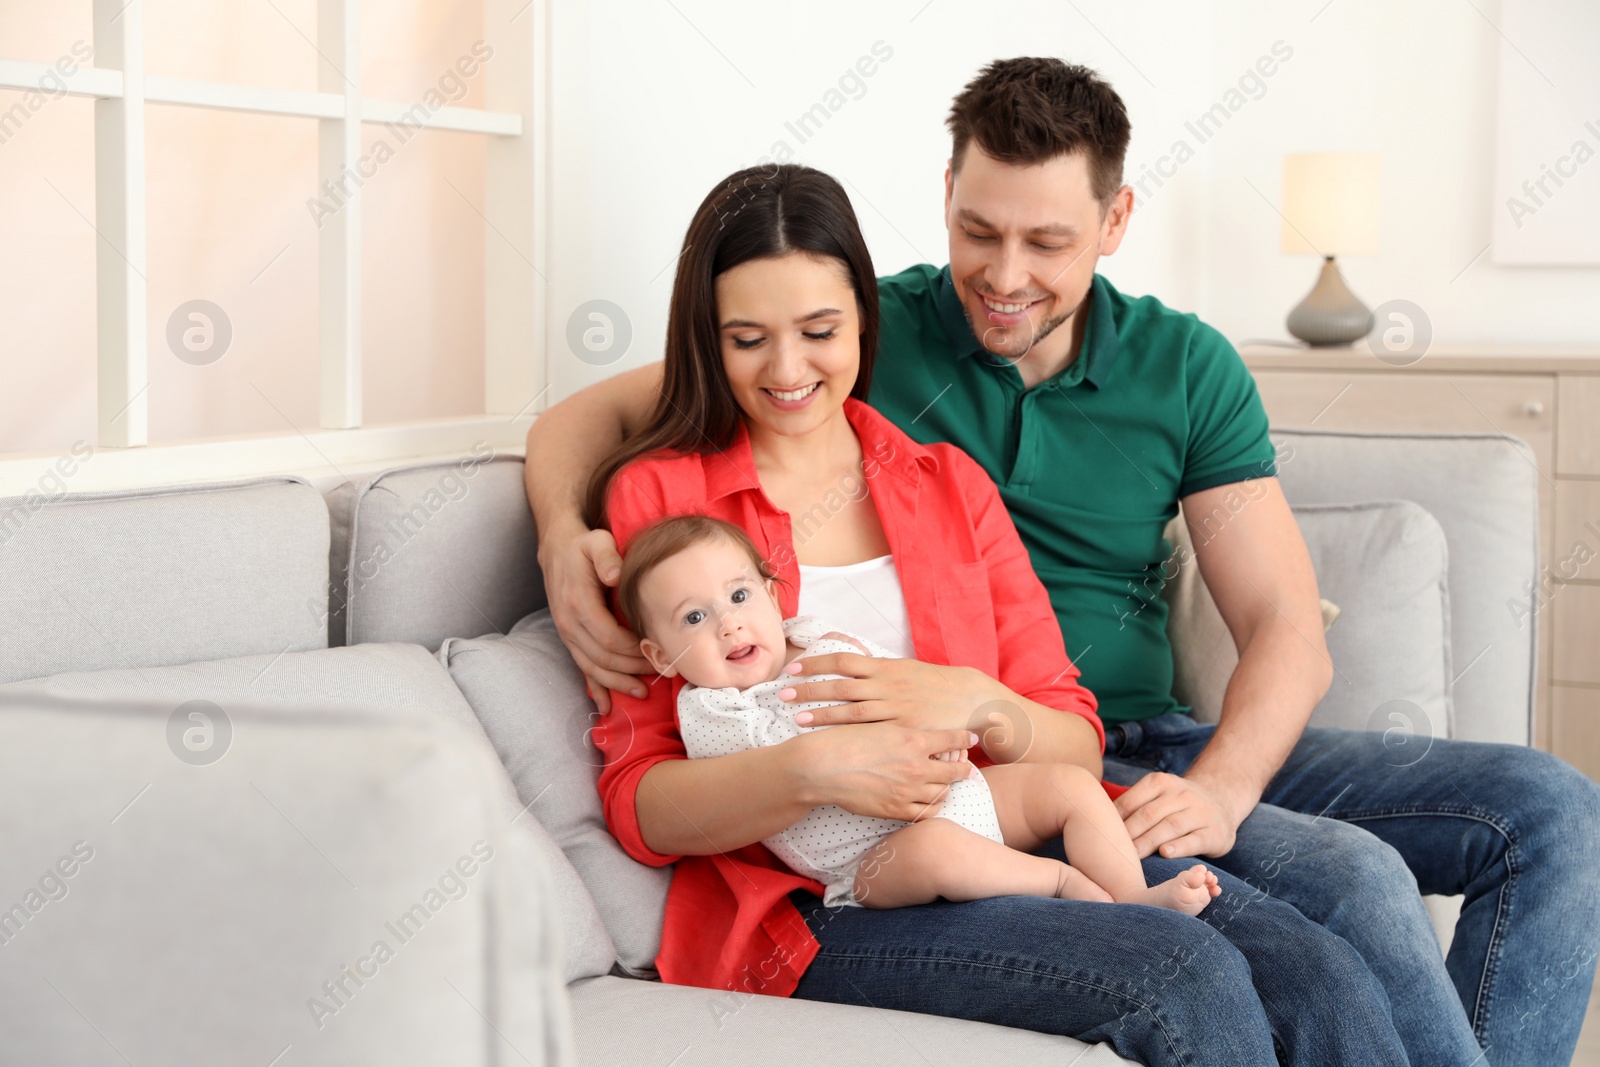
x=770 y=342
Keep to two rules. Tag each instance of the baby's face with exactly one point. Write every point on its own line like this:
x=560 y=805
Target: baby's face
x=710 y=617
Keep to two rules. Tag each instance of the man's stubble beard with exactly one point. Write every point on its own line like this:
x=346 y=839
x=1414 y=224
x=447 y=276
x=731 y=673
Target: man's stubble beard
x=1044 y=331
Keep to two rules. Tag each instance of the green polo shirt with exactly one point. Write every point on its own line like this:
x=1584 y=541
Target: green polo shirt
x=1091 y=462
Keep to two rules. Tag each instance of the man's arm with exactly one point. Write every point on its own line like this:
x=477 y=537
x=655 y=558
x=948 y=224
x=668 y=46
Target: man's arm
x=565 y=445
x=1259 y=572
x=1257 y=568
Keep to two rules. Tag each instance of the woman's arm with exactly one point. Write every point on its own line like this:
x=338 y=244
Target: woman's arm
x=1055 y=717
x=660 y=805
x=1014 y=727
x=697 y=807
x=687 y=807
x=1023 y=730
x=1034 y=711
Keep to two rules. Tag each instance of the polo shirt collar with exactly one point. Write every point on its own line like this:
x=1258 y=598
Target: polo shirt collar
x=884 y=446
x=1100 y=341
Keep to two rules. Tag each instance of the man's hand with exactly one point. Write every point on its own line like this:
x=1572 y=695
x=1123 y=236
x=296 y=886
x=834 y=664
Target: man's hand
x=577 y=571
x=565 y=445
x=1180 y=816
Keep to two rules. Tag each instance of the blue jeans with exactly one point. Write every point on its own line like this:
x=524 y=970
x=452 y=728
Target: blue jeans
x=1325 y=952
x=1161 y=987
x=1513 y=830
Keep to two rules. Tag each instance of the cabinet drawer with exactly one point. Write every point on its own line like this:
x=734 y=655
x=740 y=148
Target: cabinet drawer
x=1520 y=405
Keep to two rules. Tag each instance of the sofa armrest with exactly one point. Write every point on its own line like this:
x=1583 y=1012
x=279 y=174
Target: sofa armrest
x=334 y=879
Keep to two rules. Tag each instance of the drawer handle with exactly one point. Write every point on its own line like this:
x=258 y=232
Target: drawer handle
x=1533 y=408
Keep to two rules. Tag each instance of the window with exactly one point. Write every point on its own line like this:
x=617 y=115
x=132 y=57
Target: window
x=140 y=212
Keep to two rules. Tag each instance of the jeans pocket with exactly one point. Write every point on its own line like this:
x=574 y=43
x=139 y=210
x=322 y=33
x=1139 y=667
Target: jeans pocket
x=1147 y=757
x=1172 y=741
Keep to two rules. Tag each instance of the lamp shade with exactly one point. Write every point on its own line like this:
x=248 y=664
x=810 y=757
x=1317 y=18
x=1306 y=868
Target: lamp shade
x=1330 y=203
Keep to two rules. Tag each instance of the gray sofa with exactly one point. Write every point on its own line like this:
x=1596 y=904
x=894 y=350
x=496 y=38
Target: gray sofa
x=269 y=730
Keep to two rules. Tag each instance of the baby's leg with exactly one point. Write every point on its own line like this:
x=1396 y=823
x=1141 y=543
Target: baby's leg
x=938 y=858
x=1036 y=801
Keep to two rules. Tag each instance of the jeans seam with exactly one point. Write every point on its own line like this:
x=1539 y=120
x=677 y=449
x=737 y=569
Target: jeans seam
x=1030 y=972
x=1480 y=1024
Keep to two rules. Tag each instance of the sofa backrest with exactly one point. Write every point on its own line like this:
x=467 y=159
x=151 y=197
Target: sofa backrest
x=431 y=551
x=152 y=577
x=1484 y=491
x=471 y=568
x=1381 y=566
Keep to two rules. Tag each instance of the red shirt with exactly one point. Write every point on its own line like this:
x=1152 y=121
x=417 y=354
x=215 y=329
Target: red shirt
x=973 y=600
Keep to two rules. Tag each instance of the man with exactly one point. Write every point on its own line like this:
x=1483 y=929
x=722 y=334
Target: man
x=1098 y=415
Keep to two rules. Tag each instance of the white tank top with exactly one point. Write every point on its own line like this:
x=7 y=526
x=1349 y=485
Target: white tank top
x=860 y=598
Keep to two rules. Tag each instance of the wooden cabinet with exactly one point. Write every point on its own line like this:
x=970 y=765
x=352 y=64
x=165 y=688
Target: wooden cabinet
x=1548 y=397
x=1575 y=727
x=1579 y=452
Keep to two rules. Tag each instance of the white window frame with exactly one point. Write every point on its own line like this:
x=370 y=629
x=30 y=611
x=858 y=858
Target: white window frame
x=515 y=119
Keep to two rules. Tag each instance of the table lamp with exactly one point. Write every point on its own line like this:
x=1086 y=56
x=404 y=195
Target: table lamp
x=1330 y=207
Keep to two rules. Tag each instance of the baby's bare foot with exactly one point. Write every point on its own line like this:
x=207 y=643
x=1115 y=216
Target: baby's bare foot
x=1189 y=892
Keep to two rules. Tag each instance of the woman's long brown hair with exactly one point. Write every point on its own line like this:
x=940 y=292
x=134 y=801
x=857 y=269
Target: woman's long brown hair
x=757 y=213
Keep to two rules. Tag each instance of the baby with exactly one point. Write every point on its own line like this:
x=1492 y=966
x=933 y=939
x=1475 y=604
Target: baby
x=703 y=602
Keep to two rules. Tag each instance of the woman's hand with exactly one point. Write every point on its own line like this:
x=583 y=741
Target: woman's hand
x=577 y=571
x=921 y=696
x=835 y=635
x=881 y=769
x=927 y=696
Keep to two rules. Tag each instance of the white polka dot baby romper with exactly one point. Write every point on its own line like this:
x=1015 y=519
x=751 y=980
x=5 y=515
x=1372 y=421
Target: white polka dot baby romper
x=830 y=842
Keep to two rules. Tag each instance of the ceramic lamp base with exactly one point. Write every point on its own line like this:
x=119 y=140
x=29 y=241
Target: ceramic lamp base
x=1330 y=314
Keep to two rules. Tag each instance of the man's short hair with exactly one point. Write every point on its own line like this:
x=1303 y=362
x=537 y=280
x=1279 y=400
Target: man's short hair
x=1030 y=110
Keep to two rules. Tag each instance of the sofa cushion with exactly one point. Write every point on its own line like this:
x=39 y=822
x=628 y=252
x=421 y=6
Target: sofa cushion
x=1483 y=489
x=147 y=577
x=340 y=883
x=530 y=697
x=1384 y=565
x=391 y=676
x=440 y=550
x=663 y=1021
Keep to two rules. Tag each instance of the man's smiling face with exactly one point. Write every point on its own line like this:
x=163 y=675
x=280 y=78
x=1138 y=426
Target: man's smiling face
x=1024 y=242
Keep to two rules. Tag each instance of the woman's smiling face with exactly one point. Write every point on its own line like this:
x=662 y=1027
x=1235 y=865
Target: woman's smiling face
x=791 y=339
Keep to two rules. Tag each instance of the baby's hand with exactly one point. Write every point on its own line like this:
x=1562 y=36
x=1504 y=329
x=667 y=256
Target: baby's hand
x=837 y=636
x=955 y=754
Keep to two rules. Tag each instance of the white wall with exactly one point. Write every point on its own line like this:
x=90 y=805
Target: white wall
x=655 y=102
x=654 y=108
x=1416 y=82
